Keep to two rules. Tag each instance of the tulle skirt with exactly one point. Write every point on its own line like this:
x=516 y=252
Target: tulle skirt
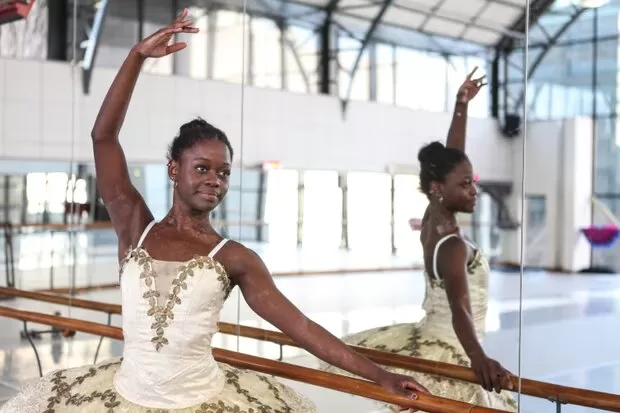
x=412 y=340
x=91 y=389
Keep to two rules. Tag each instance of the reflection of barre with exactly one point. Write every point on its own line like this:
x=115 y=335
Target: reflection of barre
x=563 y=394
x=428 y=403
x=605 y=211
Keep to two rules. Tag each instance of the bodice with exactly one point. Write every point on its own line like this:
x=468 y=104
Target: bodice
x=170 y=314
x=438 y=318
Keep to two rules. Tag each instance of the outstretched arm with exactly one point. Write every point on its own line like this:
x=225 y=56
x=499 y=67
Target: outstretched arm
x=458 y=127
x=127 y=209
x=452 y=267
x=267 y=301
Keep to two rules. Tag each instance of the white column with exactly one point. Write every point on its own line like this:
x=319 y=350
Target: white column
x=575 y=204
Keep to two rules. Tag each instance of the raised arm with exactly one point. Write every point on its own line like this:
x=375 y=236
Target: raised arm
x=458 y=128
x=261 y=294
x=452 y=267
x=127 y=209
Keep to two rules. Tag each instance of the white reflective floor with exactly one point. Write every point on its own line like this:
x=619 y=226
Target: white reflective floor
x=569 y=334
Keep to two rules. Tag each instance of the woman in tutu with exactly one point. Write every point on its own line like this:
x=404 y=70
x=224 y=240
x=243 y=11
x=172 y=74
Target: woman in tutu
x=456 y=276
x=175 y=277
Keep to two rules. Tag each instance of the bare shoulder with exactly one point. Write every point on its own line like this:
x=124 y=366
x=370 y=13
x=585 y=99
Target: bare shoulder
x=453 y=253
x=453 y=245
x=238 y=259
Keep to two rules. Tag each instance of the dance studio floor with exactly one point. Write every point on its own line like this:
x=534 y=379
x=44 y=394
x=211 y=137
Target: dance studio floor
x=569 y=334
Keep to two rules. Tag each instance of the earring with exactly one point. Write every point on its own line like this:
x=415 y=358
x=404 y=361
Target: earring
x=441 y=199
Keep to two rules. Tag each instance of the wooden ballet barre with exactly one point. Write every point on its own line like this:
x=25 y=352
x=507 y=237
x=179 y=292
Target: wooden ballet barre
x=358 y=387
x=552 y=392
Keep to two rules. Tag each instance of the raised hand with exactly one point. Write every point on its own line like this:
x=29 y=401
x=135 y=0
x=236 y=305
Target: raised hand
x=470 y=87
x=156 y=45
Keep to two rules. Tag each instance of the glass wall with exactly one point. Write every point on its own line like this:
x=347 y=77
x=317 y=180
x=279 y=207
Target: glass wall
x=573 y=65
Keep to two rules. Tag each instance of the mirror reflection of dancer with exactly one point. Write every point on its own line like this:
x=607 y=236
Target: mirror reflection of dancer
x=175 y=277
x=456 y=276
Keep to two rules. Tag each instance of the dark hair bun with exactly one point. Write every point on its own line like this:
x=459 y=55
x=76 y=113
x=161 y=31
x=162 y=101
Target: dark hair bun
x=431 y=153
x=436 y=161
x=192 y=132
x=193 y=125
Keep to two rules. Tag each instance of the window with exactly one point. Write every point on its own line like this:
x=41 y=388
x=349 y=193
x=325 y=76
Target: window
x=301 y=60
x=231 y=54
x=267 y=59
x=368 y=211
x=281 y=206
x=409 y=203
x=322 y=209
x=385 y=73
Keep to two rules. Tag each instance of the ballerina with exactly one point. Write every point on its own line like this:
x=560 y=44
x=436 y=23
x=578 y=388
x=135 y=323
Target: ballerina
x=456 y=275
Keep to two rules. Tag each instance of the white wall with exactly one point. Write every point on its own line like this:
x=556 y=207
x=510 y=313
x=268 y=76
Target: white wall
x=558 y=167
x=300 y=131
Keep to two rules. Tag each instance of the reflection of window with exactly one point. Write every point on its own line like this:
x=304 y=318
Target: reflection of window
x=281 y=205
x=196 y=50
x=322 y=209
x=229 y=53
x=536 y=211
x=300 y=60
x=368 y=209
x=267 y=58
x=360 y=89
x=49 y=192
x=409 y=203
x=79 y=191
x=385 y=74
x=484 y=234
x=36 y=187
x=421 y=80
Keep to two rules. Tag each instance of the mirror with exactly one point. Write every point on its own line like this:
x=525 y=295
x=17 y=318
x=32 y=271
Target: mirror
x=570 y=206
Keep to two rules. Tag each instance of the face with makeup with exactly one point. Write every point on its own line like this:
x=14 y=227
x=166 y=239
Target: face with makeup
x=458 y=190
x=200 y=166
x=447 y=177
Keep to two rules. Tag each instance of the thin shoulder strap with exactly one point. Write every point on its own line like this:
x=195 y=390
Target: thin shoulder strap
x=441 y=241
x=217 y=248
x=145 y=232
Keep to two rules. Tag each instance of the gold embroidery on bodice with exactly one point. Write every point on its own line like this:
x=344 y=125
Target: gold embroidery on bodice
x=163 y=312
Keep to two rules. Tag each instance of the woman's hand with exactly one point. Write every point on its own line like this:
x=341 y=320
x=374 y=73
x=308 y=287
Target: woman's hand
x=470 y=87
x=491 y=374
x=403 y=385
x=156 y=45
